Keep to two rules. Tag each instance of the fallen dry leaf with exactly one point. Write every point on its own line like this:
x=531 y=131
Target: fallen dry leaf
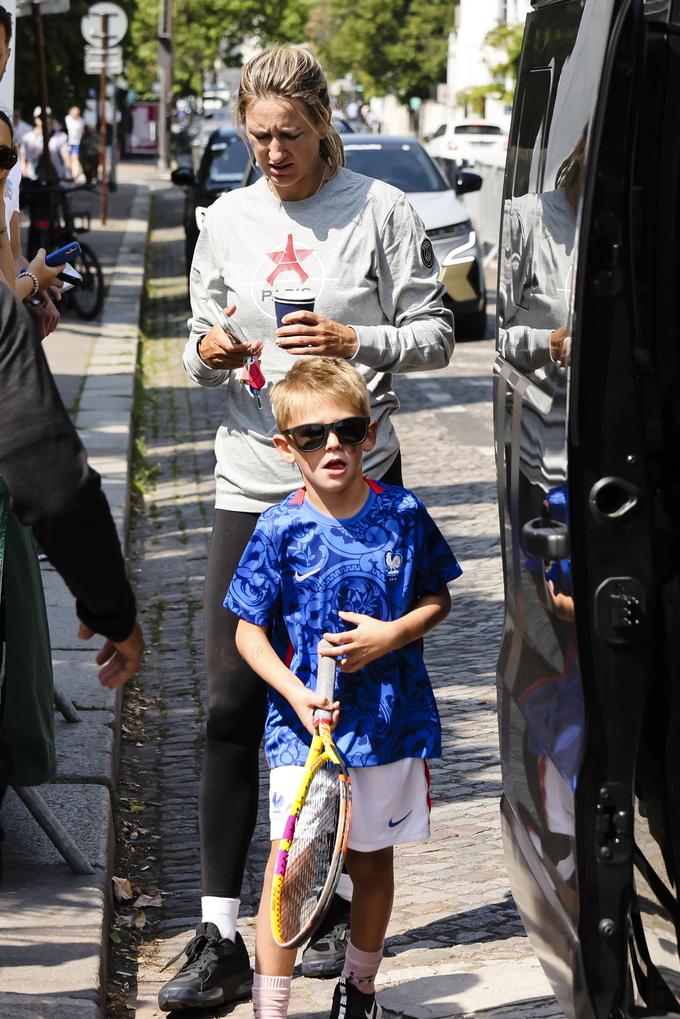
x=149 y=900
x=122 y=889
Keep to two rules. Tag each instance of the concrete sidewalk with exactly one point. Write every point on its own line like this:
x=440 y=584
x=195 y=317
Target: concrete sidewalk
x=53 y=924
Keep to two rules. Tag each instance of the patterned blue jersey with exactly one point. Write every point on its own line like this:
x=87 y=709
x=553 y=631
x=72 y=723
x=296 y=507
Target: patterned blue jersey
x=299 y=570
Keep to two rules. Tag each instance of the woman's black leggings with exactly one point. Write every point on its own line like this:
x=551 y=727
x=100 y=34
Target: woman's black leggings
x=237 y=703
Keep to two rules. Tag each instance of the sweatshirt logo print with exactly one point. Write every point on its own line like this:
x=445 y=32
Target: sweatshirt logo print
x=289 y=260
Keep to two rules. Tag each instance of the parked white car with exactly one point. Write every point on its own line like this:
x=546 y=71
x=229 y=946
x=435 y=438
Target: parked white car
x=465 y=141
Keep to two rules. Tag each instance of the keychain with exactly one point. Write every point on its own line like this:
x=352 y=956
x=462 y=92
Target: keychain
x=252 y=377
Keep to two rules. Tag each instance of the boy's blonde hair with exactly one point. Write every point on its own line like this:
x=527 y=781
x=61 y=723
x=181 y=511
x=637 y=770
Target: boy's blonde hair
x=312 y=379
x=291 y=72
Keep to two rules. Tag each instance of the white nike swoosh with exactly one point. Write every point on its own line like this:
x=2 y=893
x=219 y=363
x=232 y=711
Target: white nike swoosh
x=303 y=576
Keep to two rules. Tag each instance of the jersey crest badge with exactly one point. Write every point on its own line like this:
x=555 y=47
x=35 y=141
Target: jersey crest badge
x=393 y=562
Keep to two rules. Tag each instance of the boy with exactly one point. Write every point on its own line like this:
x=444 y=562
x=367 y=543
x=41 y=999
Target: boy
x=363 y=565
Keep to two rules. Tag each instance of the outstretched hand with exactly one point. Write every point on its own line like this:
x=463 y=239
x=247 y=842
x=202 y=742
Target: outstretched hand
x=370 y=639
x=120 y=659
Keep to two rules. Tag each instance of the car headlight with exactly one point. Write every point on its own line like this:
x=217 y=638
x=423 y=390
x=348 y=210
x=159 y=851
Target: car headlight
x=461 y=249
x=452 y=232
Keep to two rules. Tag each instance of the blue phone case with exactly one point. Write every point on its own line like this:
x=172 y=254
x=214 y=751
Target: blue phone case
x=63 y=254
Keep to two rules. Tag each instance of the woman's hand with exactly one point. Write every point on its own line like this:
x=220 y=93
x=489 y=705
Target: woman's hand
x=370 y=639
x=218 y=349
x=305 y=332
x=48 y=276
x=305 y=701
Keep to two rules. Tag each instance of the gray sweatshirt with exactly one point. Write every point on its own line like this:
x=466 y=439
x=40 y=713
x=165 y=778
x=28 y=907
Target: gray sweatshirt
x=362 y=249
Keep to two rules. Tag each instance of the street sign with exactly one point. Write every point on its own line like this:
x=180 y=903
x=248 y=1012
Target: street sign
x=25 y=7
x=112 y=63
x=111 y=53
x=116 y=24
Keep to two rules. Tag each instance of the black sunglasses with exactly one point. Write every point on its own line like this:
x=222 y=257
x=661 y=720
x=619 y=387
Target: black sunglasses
x=350 y=432
x=8 y=157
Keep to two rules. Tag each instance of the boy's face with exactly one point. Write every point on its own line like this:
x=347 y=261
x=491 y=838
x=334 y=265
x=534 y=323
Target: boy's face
x=336 y=467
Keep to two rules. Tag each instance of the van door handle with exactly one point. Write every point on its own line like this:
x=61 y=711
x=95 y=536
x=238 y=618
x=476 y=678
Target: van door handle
x=546 y=539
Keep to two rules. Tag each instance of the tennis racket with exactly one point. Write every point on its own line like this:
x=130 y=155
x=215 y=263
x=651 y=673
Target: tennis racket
x=314 y=843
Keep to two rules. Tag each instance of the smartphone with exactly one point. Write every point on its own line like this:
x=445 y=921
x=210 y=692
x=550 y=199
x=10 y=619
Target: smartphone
x=70 y=277
x=230 y=325
x=63 y=254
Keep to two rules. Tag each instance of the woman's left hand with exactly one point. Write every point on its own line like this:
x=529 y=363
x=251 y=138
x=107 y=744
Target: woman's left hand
x=305 y=332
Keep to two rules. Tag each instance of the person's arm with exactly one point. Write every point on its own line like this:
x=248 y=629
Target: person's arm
x=6 y=259
x=210 y=354
x=45 y=315
x=419 y=334
x=256 y=650
x=372 y=638
x=54 y=491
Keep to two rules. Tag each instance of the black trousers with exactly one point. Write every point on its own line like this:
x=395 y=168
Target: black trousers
x=237 y=703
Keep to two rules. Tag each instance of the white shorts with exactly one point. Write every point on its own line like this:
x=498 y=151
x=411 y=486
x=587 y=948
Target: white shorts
x=390 y=803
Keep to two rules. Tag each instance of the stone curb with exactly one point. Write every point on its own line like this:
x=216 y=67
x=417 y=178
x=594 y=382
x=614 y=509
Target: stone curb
x=53 y=924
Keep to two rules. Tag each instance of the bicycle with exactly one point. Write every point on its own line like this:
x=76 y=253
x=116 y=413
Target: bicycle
x=52 y=224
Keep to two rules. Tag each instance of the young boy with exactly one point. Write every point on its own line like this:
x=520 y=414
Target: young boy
x=363 y=565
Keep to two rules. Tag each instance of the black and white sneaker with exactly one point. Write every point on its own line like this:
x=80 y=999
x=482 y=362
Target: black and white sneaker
x=349 y=1003
x=216 y=972
x=324 y=956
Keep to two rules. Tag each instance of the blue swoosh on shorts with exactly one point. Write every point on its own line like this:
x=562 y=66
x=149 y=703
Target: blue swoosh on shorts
x=393 y=824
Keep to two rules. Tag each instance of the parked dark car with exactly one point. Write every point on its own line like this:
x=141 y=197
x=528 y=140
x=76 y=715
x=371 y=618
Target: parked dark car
x=220 y=169
x=403 y=162
x=587 y=421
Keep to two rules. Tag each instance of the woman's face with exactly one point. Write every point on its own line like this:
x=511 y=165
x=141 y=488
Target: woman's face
x=286 y=145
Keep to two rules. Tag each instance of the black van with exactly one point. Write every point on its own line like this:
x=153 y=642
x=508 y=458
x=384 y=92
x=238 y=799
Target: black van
x=587 y=421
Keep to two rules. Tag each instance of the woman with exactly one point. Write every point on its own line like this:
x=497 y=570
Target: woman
x=37 y=275
x=357 y=244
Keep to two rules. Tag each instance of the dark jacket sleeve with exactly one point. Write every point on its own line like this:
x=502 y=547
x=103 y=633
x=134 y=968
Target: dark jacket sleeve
x=53 y=489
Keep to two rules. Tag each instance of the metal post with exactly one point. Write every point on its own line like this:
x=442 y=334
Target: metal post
x=39 y=39
x=165 y=80
x=103 y=194
x=113 y=183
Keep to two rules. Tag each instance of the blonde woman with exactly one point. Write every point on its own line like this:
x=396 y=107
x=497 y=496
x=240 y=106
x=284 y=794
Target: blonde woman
x=359 y=247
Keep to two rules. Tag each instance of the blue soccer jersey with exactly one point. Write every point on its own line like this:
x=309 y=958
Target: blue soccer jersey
x=299 y=570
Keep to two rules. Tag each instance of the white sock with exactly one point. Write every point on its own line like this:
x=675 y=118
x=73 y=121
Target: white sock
x=270 y=996
x=344 y=889
x=222 y=912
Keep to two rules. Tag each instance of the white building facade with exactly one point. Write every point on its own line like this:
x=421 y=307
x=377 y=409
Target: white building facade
x=466 y=64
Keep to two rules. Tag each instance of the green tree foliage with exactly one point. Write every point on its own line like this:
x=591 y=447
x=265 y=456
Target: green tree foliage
x=204 y=30
x=397 y=46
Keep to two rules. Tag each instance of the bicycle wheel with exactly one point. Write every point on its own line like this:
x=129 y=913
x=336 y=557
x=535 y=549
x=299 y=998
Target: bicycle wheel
x=88 y=296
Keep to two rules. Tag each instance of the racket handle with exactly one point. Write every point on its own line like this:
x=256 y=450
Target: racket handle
x=325 y=680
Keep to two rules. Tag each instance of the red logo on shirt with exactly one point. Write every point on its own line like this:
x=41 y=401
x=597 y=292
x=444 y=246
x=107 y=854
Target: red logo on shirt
x=289 y=260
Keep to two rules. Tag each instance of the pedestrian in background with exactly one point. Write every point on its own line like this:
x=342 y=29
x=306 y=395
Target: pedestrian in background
x=44 y=313
x=357 y=243
x=75 y=125
x=395 y=566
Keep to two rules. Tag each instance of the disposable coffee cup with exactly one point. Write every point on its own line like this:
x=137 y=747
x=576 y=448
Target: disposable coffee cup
x=286 y=301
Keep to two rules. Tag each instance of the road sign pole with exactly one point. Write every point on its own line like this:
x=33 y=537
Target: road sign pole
x=103 y=196
x=39 y=39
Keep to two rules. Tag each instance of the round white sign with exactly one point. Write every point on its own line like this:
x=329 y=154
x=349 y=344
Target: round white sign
x=116 y=24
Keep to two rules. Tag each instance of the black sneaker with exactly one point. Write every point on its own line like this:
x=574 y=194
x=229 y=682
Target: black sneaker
x=217 y=971
x=324 y=956
x=349 y=1003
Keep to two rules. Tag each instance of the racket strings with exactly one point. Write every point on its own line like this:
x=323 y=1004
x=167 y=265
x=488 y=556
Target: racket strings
x=312 y=851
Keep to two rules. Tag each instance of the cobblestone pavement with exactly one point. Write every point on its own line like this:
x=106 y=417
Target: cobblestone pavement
x=456 y=945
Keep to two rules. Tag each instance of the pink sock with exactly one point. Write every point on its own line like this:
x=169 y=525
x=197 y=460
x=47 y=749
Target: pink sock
x=270 y=996
x=361 y=968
